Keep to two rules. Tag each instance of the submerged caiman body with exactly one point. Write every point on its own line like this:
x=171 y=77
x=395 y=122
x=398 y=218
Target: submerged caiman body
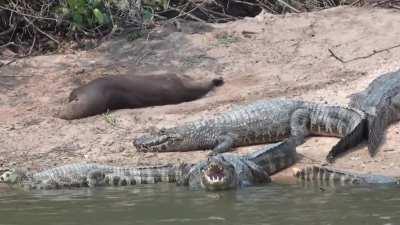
x=329 y=176
x=88 y=175
x=220 y=172
x=261 y=122
x=381 y=102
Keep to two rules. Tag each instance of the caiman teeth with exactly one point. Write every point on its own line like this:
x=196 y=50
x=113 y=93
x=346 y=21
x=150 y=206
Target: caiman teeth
x=214 y=167
x=215 y=179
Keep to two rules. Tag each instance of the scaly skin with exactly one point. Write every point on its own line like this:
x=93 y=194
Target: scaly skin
x=88 y=175
x=221 y=172
x=329 y=176
x=230 y=171
x=381 y=101
x=259 y=123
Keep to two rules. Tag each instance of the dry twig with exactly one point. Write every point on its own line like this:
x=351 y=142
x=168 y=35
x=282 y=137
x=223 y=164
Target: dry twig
x=374 y=52
x=40 y=31
x=28 y=15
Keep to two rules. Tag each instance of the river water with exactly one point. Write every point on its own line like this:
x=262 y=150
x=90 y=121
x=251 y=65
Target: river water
x=167 y=204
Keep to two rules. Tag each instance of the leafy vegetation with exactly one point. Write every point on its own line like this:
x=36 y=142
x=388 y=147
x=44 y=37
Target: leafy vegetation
x=28 y=26
x=85 y=14
x=109 y=118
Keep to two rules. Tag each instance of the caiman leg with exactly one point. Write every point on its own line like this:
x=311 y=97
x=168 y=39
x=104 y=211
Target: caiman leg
x=347 y=142
x=96 y=178
x=377 y=123
x=225 y=143
x=299 y=123
x=300 y=129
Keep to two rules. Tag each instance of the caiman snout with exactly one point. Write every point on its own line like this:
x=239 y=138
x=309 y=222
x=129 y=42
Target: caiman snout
x=219 y=174
x=148 y=143
x=159 y=142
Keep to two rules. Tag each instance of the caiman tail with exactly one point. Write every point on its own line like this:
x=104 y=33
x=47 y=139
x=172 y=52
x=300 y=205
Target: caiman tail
x=329 y=176
x=385 y=114
x=346 y=123
x=278 y=156
x=381 y=101
x=355 y=137
x=91 y=174
x=143 y=175
x=325 y=176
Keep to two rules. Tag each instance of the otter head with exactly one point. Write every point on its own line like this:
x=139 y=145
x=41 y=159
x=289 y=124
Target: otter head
x=162 y=141
x=12 y=176
x=218 y=174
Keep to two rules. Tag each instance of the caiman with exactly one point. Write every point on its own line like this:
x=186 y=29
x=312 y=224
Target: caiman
x=381 y=103
x=220 y=172
x=259 y=123
x=329 y=176
x=86 y=175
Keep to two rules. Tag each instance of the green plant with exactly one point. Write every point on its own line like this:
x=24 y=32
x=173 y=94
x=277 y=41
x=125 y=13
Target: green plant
x=135 y=35
x=109 y=119
x=86 y=14
x=227 y=39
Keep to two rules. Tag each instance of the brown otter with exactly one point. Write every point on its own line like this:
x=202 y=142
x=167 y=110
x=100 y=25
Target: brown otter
x=122 y=91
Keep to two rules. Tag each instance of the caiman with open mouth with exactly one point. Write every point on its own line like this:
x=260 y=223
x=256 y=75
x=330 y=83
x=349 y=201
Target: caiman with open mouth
x=221 y=172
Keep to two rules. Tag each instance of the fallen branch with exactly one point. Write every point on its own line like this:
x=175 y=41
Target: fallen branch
x=23 y=14
x=33 y=44
x=380 y=3
x=7 y=31
x=40 y=31
x=335 y=56
x=8 y=44
x=8 y=63
x=289 y=6
x=395 y=7
x=16 y=76
x=374 y=52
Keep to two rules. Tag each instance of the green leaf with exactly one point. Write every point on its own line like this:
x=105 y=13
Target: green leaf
x=147 y=14
x=97 y=3
x=99 y=16
x=77 y=19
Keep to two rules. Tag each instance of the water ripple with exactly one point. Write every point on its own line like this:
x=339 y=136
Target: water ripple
x=168 y=204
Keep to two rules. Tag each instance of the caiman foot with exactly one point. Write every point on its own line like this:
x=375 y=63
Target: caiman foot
x=330 y=158
x=212 y=153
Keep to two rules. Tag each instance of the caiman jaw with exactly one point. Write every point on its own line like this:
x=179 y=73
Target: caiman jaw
x=159 y=142
x=218 y=175
x=214 y=174
x=149 y=143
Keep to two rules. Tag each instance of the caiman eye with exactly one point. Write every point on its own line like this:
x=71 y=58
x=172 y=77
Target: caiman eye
x=163 y=130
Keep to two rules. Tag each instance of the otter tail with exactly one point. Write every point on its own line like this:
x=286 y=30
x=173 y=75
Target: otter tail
x=218 y=82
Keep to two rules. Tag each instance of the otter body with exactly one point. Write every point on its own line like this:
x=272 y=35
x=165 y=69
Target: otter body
x=121 y=92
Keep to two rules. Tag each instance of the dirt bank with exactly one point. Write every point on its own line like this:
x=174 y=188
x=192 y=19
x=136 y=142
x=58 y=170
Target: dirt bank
x=260 y=58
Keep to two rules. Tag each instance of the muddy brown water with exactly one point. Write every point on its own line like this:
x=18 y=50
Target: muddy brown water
x=168 y=204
